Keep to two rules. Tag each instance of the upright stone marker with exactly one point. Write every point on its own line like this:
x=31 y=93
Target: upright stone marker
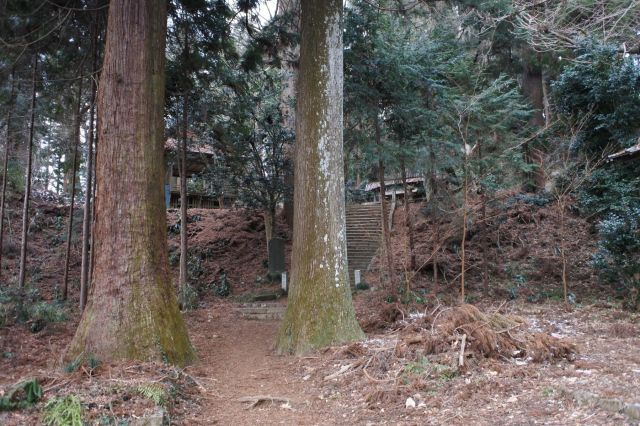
x=356 y=276
x=276 y=256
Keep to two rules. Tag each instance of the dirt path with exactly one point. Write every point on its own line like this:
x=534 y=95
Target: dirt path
x=237 y=360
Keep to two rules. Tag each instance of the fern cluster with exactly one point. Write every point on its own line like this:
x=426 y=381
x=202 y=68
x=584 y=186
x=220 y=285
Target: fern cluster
x=154 y=392
x=63 y=411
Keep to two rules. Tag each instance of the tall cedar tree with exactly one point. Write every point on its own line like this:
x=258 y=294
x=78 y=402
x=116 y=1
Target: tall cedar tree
x=132 y=312
x=27 y=180
x=320 y=311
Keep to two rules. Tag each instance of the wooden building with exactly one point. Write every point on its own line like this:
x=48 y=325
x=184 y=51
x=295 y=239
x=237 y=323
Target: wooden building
x=395 y=189
x=199 y=158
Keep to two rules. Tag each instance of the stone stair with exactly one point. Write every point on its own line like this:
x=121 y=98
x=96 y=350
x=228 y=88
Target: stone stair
x=261 y=311
x=364 y=234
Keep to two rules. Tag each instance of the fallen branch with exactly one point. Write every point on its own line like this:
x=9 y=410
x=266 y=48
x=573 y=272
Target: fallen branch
x=463 y=344
x=340 y=372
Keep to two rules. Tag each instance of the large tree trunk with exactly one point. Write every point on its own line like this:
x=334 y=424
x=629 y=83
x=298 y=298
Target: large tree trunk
x=76 y=143
x=88 y=192
x=5 y=162
x=27 y=179
x=320 y=311
x=132 y=312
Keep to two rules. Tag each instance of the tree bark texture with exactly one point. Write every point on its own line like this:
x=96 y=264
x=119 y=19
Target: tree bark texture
x=27 y=179
x=132 y=312
x=76 y=143
x=320 y=311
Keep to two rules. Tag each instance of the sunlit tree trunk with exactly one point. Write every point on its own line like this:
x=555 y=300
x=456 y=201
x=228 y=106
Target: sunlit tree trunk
x=320 y=311
x=132 y=312
x=27 y=180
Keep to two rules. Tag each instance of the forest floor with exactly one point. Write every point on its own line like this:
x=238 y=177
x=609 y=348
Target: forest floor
x=237 y=360
x=393 y=377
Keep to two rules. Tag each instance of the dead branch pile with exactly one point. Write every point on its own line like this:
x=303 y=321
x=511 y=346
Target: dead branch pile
x=489 y=335
x=440 y=346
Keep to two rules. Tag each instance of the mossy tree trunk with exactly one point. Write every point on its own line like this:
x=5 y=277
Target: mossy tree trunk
x=132 y=312
x=320 y=311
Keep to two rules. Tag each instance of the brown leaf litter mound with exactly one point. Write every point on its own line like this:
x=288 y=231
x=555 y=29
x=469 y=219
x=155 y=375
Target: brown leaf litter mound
x=440 y=345
x=489 y=335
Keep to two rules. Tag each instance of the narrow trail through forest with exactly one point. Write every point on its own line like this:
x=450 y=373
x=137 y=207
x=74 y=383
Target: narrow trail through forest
x=237 y=360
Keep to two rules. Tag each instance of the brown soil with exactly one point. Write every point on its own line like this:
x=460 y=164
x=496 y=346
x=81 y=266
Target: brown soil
x=232 y=240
